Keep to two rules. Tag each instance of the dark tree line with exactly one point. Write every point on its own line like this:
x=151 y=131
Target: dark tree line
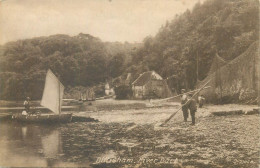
x=82 y=60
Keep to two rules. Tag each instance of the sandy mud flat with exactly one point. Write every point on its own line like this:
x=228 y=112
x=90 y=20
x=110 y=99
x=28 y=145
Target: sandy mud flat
x=133 y=138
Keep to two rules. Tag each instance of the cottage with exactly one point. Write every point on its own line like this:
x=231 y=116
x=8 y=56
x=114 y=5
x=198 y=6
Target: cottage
x=150 y=85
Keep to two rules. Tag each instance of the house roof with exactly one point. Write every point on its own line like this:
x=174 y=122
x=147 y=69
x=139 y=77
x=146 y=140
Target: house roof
x=146 y=77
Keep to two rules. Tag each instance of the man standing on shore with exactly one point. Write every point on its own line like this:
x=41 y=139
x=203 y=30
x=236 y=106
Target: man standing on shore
x=192 y=107
x=184 y=100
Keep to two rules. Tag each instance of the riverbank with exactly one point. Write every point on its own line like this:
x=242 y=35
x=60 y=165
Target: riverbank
x=89 y=106
x=114 y=105
x=230 y=141
x=225 y=141
x=133 y=138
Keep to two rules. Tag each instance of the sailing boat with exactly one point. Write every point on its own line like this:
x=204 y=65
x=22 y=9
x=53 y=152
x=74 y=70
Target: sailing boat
x=51 y=99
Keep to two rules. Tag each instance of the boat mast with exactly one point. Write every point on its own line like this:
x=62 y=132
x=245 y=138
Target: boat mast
x=197 y=69
x=59 y=99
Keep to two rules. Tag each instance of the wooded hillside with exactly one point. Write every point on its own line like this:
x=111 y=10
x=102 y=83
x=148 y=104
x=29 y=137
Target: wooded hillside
x=82 y=60
x=226 y=27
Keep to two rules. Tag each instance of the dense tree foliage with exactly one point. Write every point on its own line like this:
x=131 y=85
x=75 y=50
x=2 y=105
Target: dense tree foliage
x=82 y=60
x=226 y=27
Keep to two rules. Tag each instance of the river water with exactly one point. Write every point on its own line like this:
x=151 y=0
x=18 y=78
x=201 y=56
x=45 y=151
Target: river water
x=41 y=145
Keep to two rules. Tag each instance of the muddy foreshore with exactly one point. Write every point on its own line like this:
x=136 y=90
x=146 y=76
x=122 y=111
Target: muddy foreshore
x=133 y=138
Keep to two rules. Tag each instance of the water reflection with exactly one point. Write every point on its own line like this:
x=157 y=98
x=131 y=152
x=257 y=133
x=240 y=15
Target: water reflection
x=70 y=145
x=24 y=132
x=51 y=145
x=30 y=145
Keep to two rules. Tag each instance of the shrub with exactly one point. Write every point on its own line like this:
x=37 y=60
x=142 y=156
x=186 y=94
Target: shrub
x=123 y=92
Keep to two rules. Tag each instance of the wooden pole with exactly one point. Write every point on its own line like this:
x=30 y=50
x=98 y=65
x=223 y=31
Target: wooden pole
x=218 y=78
x=184 y=104
x=59 y=99
x=220 y=82
x=197 y=66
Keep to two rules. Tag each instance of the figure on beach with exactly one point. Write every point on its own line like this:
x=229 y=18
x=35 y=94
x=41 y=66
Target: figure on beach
x=192 y=107
x=184 y=100
x=201 y=100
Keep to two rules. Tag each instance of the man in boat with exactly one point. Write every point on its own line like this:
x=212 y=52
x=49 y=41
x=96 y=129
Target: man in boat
x=184 y=100
x=192 y=107
x=26 y=104
x=201 y=100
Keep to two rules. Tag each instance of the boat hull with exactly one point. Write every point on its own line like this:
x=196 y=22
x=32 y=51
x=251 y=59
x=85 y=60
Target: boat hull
x=43 y=118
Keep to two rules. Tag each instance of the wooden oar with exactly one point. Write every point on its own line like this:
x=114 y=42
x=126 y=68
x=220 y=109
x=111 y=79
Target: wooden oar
x=184 y=104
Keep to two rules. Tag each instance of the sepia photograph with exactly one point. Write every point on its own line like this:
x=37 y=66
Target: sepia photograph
x=130 y=83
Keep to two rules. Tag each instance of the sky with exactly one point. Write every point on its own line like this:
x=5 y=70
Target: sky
x=109 y=20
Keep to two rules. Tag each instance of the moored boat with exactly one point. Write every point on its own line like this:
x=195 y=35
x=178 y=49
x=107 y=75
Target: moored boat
x=51 y=99
x=43 y=118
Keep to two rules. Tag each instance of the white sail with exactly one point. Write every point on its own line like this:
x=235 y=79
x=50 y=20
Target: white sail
x=53 y=93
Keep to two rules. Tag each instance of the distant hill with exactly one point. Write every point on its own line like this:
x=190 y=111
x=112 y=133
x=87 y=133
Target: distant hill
x=81 y=60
